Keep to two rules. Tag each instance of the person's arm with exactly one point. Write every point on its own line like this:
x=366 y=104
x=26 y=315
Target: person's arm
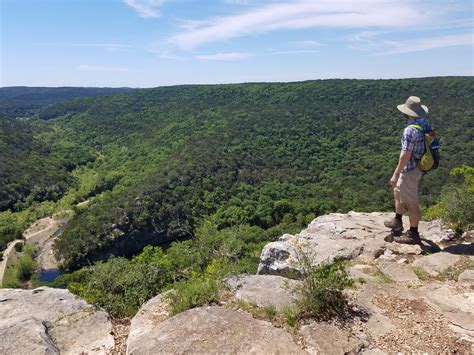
x=405 y=156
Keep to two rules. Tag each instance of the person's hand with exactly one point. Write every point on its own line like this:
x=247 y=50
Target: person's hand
x=394 y=179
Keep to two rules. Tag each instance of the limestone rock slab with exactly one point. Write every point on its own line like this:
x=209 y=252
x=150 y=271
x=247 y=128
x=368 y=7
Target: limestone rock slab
x=436 y=263
x=398 y=272
x=456 y=306
x=56 y=320
x=25 y=336
x=361 y=271
x=466 y=277
x=151 y=313
x=263 y=290
x=347 y=236
x=328 y=339
x=213 y=330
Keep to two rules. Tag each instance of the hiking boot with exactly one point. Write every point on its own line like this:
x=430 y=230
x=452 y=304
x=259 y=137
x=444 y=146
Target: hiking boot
x=393 y=223
x=393 y=233
x=409 y=238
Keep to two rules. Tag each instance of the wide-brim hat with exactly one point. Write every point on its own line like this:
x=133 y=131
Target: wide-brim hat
x=413 y=107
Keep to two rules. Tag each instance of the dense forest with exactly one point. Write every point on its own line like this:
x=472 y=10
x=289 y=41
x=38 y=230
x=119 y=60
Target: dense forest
x=24 y=101
x=208 y=174
x=223 y=169
x=156 y=163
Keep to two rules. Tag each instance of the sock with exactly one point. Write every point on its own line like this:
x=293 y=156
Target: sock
x=398 y=216
x=414 y=229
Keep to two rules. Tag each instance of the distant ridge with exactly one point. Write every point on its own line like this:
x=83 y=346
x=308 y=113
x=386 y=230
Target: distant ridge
x=23 y=100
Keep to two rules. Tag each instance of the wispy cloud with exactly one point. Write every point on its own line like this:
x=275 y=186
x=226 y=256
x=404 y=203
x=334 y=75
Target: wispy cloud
x=102 y=68
x=146 y=8
x=308 y=43
x=230 y=57
x=301 y=14
x=423 y=44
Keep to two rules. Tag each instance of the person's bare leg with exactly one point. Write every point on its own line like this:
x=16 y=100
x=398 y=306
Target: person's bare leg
x=414 y=215
x=399 y=207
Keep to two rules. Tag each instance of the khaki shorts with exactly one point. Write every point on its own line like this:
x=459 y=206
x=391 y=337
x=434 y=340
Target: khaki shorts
x=407 y=186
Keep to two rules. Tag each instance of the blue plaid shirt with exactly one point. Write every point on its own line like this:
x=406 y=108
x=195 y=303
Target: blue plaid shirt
x=413 y=140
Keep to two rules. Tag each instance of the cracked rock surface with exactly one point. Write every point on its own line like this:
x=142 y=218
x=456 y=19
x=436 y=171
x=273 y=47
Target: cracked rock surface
x=51 y=321
x=347 y=236
x=213 y=330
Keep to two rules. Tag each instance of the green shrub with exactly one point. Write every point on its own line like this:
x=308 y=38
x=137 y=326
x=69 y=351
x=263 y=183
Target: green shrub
x=19 y=247
x=270 y=311
x=320 y=292
x=459 y=207
x=456 y=202
x=121 y=286
x=197 y=291
x=291 y=315
x=25 y=267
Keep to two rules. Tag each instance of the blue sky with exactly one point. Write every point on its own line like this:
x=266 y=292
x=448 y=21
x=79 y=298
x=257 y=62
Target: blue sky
x=148 y=43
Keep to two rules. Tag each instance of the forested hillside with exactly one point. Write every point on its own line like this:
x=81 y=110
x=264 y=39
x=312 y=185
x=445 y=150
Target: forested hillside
x=156 y=163
x=19 y=101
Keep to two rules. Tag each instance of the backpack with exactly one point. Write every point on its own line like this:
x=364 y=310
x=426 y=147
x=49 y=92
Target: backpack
x=431 y=156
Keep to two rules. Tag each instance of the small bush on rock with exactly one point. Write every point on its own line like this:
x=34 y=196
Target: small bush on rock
x=197 y=291
x=200 y=289
x=320 y=292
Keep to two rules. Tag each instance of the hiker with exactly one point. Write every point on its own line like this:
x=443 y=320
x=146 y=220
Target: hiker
x=407 y=174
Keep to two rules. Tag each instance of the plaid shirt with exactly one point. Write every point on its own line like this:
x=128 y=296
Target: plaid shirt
x=413 y=140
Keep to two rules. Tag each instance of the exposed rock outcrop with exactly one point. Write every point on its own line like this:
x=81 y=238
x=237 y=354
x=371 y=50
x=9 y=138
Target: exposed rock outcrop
x=408 y=298
x=434 y=264
x=263 y=290
x=346 y=236
x=213 y=330
x=51 y=321
x=328 y=339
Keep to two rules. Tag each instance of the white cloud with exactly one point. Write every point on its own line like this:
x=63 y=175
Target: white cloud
x=146 y=8
x=423 y=44
x=308 y=43
x=233 y=56
x=101 y=68
x=301 y=14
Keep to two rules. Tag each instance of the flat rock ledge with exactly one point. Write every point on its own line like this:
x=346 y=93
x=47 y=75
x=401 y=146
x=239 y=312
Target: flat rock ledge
x=323 y=338
x=435 y=264
x=213 y=330
x=398 y=272
x=346 y=236
x=51 y=321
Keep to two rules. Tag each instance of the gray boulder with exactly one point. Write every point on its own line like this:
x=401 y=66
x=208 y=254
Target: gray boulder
x=50 y=321
x=152 y=313
x=263 y=290
x=26 y=336
x=346 y=236
x=213 y=330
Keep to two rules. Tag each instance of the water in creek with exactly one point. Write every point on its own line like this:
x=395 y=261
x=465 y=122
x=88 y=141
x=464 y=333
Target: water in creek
x=48 y=275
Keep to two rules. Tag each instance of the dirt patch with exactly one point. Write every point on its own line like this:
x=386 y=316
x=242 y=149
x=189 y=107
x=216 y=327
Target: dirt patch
x=418 y=328
x=120 y=330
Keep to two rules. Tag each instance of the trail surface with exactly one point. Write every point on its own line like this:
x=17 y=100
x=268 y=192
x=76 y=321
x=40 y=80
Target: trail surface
x=38 y=234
